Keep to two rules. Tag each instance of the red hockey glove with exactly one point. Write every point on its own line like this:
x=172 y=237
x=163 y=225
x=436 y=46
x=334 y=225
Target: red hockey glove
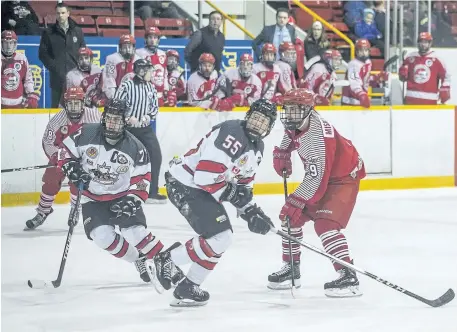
x=54 y=159
x=364 y=100
x=225 y=105
x=277 y=99
x=293 y=210
x=322 y=101
x=383 y=76
x=403 y=73
x=281 y=161
x=237 y=99
x=171 y=99
x=214 y=103
x=31 y=101
x=445 y=94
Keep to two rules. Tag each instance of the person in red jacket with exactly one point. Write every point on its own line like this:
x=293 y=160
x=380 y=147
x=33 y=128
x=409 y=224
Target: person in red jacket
x=427 y=79
x=327 y=194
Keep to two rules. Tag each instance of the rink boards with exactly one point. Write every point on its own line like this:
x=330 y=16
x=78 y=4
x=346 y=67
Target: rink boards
x=404 y=147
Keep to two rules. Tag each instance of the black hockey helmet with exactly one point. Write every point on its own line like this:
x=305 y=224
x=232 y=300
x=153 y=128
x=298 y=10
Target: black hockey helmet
x=141 y=67
x=113 y=119
x=260 y=119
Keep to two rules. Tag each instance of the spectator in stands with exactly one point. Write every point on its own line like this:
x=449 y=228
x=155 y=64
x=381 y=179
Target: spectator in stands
x=367 y=29
x=316 y=42
x=380 y=16
x=206 y=40
x=160 y=9
x=19 y=17
x=353 y=13
x=282 y=31
x=59 y=48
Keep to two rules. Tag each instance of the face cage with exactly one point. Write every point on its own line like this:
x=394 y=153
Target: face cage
x=364 y=55
x=152 y=43
x=267 y=61
x=74 y=109
x=293 y=115
x=245 y=69
x=204 y=70
x=258 y=125
x=127 y=50
x=289 y=57
x=114 y=125
x=172 y=63
x=84 y=62
x=9 y=46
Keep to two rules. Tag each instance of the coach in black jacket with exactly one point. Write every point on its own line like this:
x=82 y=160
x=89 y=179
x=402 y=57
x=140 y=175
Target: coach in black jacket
x=59 y=50
x=275 y=34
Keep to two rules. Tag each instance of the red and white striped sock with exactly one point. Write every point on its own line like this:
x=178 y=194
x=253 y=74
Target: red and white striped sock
x=45 y=205
x=150 y=245
x=296 y=249
x=120 y=248
x=335 y=243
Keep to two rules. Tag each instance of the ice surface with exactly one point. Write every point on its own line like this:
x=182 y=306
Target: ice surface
x=406 y=237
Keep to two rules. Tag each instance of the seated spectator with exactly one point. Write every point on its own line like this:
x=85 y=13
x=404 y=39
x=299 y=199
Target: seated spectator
x=380 y=16
x=19 y=17
x=353 y=13
x=316 y=42
x=367 y=29
x=160 y=9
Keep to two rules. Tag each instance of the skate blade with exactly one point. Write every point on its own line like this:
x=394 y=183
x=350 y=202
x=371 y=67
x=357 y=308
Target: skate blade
x=283 y=285
x=156 y=201
x=186 y=303
x=155 y=281
x=352 y=291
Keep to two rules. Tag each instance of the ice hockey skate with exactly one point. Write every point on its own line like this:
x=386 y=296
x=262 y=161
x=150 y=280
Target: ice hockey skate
x=283 y=278
x=144 y=268
x=36 y=221
x=189 y=294
x=165 y=272
x=347 y=285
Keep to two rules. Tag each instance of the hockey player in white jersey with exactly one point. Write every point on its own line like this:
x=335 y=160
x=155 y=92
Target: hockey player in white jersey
x=287 y=63
x=268 y=72
x=221 y=168
x=84 y=69
x=176 y=80
x=201 y=87
x=115 y=170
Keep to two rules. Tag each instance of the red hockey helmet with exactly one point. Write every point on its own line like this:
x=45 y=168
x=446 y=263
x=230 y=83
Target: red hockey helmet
x=207 y=57
x=74 y=102
x=362 y=43
x=127 y=46
x=286 y=46
x=151 y=30
x=425 y=36
x=127 y=39
x=9 y=42
x=334 y=58
x=173 y=53
x=246 y=64
x=206 y=61
x=297 y=107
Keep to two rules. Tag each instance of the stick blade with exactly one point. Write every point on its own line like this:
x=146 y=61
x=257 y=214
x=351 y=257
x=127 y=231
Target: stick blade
x=37 y=284
x=443 y=299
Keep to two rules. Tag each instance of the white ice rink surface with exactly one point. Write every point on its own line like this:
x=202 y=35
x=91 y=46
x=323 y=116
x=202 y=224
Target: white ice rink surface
x=406 y=237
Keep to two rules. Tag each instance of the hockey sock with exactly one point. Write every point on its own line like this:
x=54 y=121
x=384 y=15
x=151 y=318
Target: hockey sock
x=333 y=241
x=106 y=238
x=45 y=205
x=143 y=240
x=296 y=249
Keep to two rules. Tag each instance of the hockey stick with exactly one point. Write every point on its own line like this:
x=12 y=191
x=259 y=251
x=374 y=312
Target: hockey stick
x=292 y=263
x=389 y=62
x=25 y=168
x=73 y=215
x=442 y=300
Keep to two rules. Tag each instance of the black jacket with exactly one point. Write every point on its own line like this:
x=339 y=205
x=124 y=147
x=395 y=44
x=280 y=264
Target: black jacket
x=23 y=14
x=313 y=48
x=267 y=35
x=59 y=50
x=204 y=41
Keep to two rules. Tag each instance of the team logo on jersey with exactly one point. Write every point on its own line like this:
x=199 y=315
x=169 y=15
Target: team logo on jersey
x=75 y=39
x=248 y=89
x=17 y=66
x=262 y=75
x=141 y=185
x=421 y=74
x=243 y=161
x=220 y=178
x=173 y=80
x=221 y=219
x=121 y=159
x=411 y=59
x=123 y=66
x=429 y=62
x=90 y=162
x=103 y=175
x=162 y=59
x=92 y=152
x=84 y=83
x=64 y=130
x=235 y=170
x=122 y=169
x=10 y=79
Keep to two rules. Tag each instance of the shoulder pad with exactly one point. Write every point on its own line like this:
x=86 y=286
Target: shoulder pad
x=232 y=139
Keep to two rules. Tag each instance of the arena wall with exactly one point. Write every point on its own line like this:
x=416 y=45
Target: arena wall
x=403 y=147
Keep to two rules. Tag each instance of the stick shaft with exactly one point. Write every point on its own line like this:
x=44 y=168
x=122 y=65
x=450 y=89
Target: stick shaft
x=25 y=168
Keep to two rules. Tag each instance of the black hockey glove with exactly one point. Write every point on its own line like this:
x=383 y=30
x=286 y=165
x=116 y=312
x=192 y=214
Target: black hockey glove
x=127 y=206
x=258 y=222
x=76 y=174
x=238 y=195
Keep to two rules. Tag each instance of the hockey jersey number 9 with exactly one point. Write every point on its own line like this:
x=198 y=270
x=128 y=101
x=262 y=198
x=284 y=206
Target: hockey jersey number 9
x=224 y=155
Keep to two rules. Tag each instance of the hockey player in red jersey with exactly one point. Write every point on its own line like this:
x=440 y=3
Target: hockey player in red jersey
x=238 y=86
x=17 y=81
x=287 y=64
x=176 y=80
x=221 y=168
x=64 y=123
x=427 y=79
x=158 y=59
x=84 y=69
x=268 y=72
x=320 y=76
x=119 y=65
x=327 y=195
x=115 y=171
x=201 y=87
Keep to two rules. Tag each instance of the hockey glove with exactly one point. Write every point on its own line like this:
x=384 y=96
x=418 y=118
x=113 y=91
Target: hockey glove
x=281 y=161
x=76 y=174
x=238 y=195
x=258 y=222
x=292 y=210
x=445 y=94
x=127 y=206
x=321 y=101
x=364 y=99
x=403 y=73
x=172 y=99
x=31 y=101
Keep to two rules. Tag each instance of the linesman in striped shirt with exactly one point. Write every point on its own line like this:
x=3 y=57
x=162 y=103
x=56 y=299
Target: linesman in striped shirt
x=142 y=107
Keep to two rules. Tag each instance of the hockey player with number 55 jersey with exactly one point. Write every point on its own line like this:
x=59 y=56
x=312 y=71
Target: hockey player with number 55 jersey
x=115 y=169
x=221 y=168
x=327 y=194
